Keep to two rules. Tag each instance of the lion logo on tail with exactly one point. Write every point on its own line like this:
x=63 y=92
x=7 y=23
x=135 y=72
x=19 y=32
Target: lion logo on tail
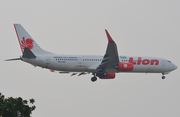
x=27 y=43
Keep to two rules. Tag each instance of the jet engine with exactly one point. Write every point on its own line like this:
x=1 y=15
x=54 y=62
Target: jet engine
x=125 y=67
x=108 y=76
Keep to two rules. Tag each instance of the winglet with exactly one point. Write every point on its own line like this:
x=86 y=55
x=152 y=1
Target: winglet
x=109 y=37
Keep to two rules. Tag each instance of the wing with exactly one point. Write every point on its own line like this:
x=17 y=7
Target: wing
x=111 y=59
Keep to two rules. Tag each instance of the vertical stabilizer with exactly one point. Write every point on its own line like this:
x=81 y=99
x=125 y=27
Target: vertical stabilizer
x=25 y=40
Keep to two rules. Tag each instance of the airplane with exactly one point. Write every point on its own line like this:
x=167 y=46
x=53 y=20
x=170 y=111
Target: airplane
x=103 y=67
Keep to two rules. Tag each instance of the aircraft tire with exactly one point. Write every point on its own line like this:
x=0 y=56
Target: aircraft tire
x=93 y=79
x=163 y=77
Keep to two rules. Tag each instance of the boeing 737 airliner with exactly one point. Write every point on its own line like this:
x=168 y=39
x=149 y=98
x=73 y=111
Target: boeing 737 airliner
x=103 y=67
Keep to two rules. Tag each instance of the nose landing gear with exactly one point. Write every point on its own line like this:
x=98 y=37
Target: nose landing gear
x=163 y=77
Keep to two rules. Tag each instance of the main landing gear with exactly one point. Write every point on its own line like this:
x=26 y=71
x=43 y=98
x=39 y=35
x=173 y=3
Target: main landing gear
x=93 y=79
x=101 y=74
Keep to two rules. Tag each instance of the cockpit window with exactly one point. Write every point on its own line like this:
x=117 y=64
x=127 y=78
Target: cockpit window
x=169 y=61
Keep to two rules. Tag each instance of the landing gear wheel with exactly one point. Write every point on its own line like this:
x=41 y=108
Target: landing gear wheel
x=163 y=77
x=93 y=79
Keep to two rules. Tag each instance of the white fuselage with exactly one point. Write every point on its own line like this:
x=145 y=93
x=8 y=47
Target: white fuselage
x=103 y=67
x=89 y=63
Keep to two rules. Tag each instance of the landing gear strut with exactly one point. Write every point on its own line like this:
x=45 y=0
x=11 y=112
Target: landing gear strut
x=163 y=77
x=93 y=79
x=101 y=74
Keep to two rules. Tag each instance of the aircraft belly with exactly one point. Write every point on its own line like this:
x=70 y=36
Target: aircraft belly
x=70 y=66
x=146 y=69
x=36 y=62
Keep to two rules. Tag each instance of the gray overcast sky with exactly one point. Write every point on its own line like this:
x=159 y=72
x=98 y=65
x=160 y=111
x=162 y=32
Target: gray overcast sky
x=139 y=28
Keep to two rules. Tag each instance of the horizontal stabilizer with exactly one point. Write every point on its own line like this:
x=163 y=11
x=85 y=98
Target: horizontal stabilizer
x=28 y=53
x=13 y=59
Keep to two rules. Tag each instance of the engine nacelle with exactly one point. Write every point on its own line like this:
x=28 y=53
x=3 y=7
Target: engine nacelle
x=109 y=76
x=125 y=67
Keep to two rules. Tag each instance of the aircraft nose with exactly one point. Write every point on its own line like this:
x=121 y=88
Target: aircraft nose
x=175 y=67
